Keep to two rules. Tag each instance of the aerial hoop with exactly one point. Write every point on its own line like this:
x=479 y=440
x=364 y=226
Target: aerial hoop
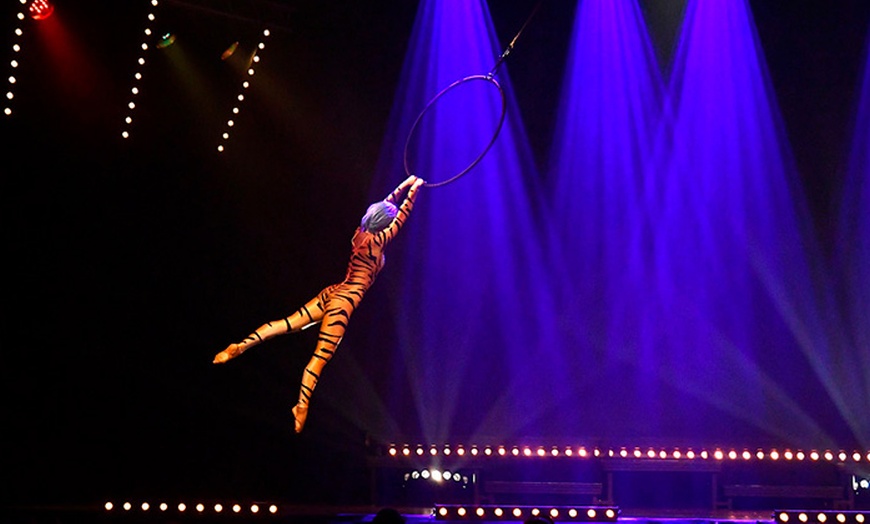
x=486 y=78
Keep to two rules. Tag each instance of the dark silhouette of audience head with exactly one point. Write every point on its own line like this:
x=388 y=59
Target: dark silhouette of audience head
x=388 y=516
x=539 y=520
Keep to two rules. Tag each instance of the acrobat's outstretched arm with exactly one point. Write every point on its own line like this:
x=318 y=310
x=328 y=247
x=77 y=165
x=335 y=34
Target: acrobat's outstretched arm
x=405 y=209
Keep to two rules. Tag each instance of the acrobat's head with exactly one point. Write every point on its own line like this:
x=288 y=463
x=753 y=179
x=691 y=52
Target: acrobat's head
x=378 y=216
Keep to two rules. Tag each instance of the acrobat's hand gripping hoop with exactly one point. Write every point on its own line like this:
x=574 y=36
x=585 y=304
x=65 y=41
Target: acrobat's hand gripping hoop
x=485 y=78
x=490 y=77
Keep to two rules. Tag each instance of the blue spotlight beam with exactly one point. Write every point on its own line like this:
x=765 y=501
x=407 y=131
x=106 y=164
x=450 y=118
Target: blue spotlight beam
x=853 y=250
x=471 y=304
x=735 y=235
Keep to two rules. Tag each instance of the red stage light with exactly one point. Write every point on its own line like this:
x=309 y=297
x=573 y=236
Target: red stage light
x=40 y=9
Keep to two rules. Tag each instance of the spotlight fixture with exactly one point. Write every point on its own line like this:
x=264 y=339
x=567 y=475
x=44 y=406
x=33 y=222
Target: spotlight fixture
x=40 y=9
x=443 y=512
x=166 y=40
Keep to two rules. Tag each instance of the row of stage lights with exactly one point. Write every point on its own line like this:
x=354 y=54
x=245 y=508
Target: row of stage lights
x=821 y=517
x=513 y=513
x=403 y=451
x=38 y=10
x=200 y=508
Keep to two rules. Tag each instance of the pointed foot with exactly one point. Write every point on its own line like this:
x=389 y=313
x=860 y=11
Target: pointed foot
x=300 y=413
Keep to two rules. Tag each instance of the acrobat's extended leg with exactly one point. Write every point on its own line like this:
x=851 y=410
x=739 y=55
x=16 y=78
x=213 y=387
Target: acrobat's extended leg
x=308 y=315
x=332 y=330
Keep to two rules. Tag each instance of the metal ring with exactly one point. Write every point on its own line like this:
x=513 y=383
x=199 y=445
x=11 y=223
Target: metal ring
x=487 y=78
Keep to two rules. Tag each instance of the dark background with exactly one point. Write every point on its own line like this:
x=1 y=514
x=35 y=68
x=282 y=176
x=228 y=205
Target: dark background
x=130 y=263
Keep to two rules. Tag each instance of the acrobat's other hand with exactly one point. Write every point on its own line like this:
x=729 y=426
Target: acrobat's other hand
x=231 y=352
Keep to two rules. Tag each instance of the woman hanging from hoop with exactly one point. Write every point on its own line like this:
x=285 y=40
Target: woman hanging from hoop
x=333 y=306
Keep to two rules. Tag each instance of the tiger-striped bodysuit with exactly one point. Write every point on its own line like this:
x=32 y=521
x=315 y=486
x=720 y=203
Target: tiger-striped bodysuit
x=333 y=306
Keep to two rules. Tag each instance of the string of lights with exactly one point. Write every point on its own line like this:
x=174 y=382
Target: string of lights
x=255 y=59
x=137 y=75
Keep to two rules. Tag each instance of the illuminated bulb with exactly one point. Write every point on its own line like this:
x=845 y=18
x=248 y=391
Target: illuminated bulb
x=572 y=513
x=442 y=512
x=822 y=517
x=145 y=506
x=18 y=32
x=266 y=32
x=125 y=134
x=517 y=512
x=774 y=455
x=220 y=148
x=479 y=512
x=859 y=518
x=841 y=518
x=12 y=80
x=182 y=507
x=164 y=506
x=132 y=105
x=236 y=508
x=610 y=513
x=246 y=84
x=200 y=508
x=251 y=72
x=591 y=513
x=802 y=517
x=144 y=46
x=783 y=517
x=127 y=506
x=151 y=16
x=141 y=61
x=498 y=512
x=14 y=63
x=135 y=90
x=554 y=513
x=10 y=95
x=460 y=512
x=138 y=76
x=255 y=508
x=218 y=508
x=109 y=506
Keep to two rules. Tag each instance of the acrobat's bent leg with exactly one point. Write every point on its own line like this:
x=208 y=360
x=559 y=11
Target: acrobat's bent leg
x=332 y=330
x=308 y=315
